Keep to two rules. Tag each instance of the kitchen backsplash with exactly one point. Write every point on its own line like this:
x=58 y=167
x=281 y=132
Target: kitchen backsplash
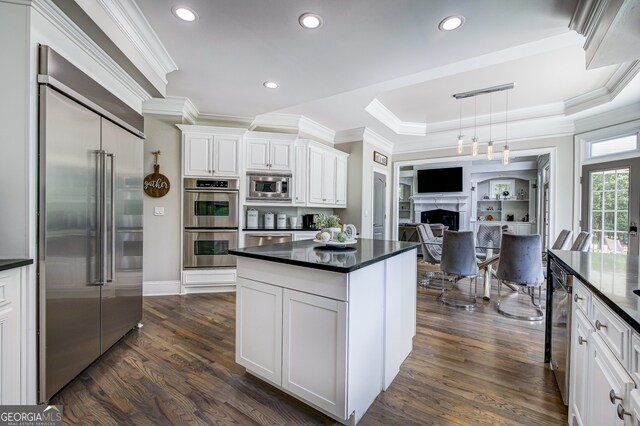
x=289 y=211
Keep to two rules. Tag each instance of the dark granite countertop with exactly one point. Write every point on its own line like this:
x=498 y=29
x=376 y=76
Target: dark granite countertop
x=611 y=277
x=14 y=263
x=279 y=229
x=309 y=254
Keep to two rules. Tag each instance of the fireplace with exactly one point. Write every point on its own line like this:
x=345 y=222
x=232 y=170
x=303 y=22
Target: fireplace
x=448 y=218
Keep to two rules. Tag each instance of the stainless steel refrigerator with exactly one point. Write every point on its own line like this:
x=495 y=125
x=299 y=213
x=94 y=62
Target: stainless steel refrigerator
x=90 y=226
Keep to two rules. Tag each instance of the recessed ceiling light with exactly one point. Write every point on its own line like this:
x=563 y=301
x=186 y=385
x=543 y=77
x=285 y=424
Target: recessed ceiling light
x=310 y=21
x=270 y=84
x=184 y=13
x=451 y=23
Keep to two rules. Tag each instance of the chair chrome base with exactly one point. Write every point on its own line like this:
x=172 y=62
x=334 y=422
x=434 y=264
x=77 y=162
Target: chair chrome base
x=468 y=304
x=430 y=280
x=536 y=306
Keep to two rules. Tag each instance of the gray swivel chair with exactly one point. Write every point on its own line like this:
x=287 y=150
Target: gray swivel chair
x=430 y=253
x=488 y=234
x=563 y=241
x=459 y=259
x=521 y=263
x=582 y=242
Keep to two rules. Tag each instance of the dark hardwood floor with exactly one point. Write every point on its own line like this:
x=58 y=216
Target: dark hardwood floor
x=467 y=367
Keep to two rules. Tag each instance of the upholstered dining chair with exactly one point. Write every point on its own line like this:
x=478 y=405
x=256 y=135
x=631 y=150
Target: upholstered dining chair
x=431 y=254
x=488 y=234
x=458 y=259
x=521 y=263
x=582 y=242
x=563 y=242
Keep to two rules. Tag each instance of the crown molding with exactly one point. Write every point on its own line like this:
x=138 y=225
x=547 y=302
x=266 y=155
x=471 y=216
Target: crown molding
x=295 y=122
x=384 y=115
x=189 y=128
x=173 y=106
x=64 y=24
x=364 y=134
x=612 y=88
x=237 y=120
x=134 y=25
x=624 y=114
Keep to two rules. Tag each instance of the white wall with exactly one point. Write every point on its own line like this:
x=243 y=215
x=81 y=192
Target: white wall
x=353 y=213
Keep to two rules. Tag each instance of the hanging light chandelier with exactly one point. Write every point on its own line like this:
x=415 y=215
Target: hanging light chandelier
x=475 y=140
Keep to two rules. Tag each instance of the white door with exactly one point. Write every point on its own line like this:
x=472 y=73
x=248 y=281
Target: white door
x=581 y=336
x=314 y=354
x=341 y=181
x=198 y=155
x=259 y=329
x=329 y=179
x=605 y=375
x=379 y=205
x=257 y=154
x=611 y=205
x=300 y=175
x=226 y=158
x=280 y=155
x=634 y=407
x=315 y=161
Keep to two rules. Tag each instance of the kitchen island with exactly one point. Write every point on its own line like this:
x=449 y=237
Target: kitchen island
x=329 y=326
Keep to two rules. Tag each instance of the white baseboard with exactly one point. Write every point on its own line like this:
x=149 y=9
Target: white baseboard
x=160 y=288
x=216 y=288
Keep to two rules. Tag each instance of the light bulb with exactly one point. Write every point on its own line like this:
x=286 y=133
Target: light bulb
x=460 y=144
x=505 y=155
x=490 y=151
x=474 y=147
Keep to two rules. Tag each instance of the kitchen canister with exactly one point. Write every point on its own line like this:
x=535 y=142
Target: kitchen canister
x=281 y=221
x=252 y=218
x=268 y=220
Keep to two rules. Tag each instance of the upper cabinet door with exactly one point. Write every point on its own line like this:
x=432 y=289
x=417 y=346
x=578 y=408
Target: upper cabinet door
x=315 y=161
x=226 y=155
x=280 y=155
x=341 y=181
x=329 y=179
x=198 y=155
x=258 y=154
x=300 y=175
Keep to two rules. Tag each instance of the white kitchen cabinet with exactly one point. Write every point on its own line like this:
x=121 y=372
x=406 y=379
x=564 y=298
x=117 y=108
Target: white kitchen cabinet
x=300 y=174
x=581 y=338
x=634 y=407
x=259 y=334
x=226 y=155
x=11 y=382
x=210 y=151
x=606 y=378
x=269 y=154
x=329 y=178
x=314 y=350
x=316 y=174
x=341 y=181
x=198 y=155
x=322 y=176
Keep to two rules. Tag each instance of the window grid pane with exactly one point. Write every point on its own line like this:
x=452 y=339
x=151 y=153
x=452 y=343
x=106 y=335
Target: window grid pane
x=609 y=211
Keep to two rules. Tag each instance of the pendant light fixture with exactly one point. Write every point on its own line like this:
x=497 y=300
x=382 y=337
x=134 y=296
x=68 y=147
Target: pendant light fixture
x=474 y=141
x=505 y=153
x=460 y=135
x=490 y=143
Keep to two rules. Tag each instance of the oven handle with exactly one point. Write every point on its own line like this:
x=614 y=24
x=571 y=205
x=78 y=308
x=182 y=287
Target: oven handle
x=209 y=191
x=211 y=231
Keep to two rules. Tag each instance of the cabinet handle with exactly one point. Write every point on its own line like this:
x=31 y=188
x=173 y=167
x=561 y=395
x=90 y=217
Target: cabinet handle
x=622 y=412
x=581 y=340
x=576 y=298
x=600 y=325
x=210 y=171
x=613 y=397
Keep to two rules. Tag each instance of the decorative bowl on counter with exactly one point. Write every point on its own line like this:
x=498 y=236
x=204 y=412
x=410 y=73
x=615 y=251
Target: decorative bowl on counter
x=335 y=244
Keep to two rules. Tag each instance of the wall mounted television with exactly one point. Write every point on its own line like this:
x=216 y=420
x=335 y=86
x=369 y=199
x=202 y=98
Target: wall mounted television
x=440 y=180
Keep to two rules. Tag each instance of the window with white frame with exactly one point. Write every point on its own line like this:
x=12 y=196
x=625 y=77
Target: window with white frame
x=607 y=147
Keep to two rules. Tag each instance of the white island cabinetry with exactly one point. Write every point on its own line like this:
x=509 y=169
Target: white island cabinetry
x=333 y=338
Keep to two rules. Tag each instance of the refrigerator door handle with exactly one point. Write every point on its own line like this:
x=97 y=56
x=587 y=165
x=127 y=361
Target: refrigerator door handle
x=112 y=263
x=101 y=218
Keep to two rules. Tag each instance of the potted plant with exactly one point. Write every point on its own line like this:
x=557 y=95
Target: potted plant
x=329 y=223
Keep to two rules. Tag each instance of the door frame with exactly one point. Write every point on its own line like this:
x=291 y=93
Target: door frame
x=387 y=206
x=553 y=155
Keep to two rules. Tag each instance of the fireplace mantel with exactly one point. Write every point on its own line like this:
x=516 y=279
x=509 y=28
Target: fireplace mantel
x=444 y=201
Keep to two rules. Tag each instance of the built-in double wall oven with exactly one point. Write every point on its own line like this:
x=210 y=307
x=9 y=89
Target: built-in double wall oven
x=210 y=222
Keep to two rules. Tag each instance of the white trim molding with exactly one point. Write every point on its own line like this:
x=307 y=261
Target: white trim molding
x=160 y=288
x=172 y=105
x=129 y=18
x=364 y=134
x=295 y=122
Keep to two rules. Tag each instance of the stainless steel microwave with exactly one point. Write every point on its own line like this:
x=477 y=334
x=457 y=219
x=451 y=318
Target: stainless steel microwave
x=269 y=187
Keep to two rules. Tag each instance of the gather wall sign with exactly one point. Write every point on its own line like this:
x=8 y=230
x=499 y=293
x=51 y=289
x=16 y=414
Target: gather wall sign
x=156 y=184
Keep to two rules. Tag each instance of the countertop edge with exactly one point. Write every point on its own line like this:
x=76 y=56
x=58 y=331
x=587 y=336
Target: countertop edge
x=331 y=268
x=14 y=263
x=611 y=304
